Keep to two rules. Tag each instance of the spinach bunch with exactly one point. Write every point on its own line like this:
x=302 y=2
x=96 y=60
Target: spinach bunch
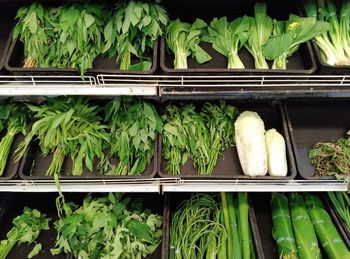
x=67 y=126
x=134 y=125
x=132 y=30
x=201 y=136
x=112 y=226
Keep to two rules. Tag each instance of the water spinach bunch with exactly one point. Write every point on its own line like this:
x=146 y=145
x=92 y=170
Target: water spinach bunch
x=67 y=126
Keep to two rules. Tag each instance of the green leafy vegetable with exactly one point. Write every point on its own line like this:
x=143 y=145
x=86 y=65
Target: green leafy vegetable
x=200 y=136
x=67 y=126
x=26 y=229
x=132 y=30
x=134 y=125
x=332 y=158
x=287 y=37
x=183 y=40
x=228 y=38
x=111 y=226
x=262 y=27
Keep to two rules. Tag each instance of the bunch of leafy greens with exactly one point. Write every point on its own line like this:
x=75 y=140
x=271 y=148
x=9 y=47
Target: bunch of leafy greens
x=261 y=31
x=183 y=40
x=26 y=229
x=14 y=118
x=201 y=136
x=67 y=126
x=132 y=31
x=35 y=30
x=287 y=37
x=78 y=35
x=228 y=38
x=332 y=158
x=108 y=227
x=334 y=45
x=134 y=125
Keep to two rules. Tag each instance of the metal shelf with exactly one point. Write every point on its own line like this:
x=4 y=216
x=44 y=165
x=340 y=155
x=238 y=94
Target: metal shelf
x=137 y=185
x=254 y=186
x=66 y=85
x=173 y=185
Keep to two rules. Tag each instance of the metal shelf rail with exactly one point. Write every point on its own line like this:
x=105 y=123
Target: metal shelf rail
x=174 y=185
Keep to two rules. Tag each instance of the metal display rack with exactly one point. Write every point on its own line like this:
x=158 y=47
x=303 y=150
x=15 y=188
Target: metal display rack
x=164 y=87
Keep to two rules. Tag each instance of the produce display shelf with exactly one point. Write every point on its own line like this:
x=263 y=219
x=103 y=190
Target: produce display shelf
x=142 y=186
x=174 y=185
x=67 y=85
x=254 y=186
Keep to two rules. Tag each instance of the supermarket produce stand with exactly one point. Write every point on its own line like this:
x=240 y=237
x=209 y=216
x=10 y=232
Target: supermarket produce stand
x=164 y=87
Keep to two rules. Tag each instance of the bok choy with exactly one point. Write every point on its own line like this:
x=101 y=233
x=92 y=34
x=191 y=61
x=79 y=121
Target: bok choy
x=228 y=38
x=183 y=40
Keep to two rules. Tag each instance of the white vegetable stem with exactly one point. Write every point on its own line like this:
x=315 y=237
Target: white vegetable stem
x=250 y=142
x=276 y=153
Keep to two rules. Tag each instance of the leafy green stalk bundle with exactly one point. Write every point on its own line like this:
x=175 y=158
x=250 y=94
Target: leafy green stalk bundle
x=15 y=119
x=201 y=136
x=111 y=226
x=134 y=125
x=63 y=37
x=132 y=31
x=67 y=126
x=26 y=229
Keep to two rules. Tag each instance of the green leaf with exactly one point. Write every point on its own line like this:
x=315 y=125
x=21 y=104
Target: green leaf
x=140 y=230
x=89 y=20
x=35 y=251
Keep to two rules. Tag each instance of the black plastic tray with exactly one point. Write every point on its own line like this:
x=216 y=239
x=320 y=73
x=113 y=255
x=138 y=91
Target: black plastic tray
x=46 y=205
x=261 y=206
x=312 y=121
x=12 y=167
x=174 y=199
x=28 y=171
x=302 y=62
x=228 y=166
x=101 y=65
x=336 y=218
